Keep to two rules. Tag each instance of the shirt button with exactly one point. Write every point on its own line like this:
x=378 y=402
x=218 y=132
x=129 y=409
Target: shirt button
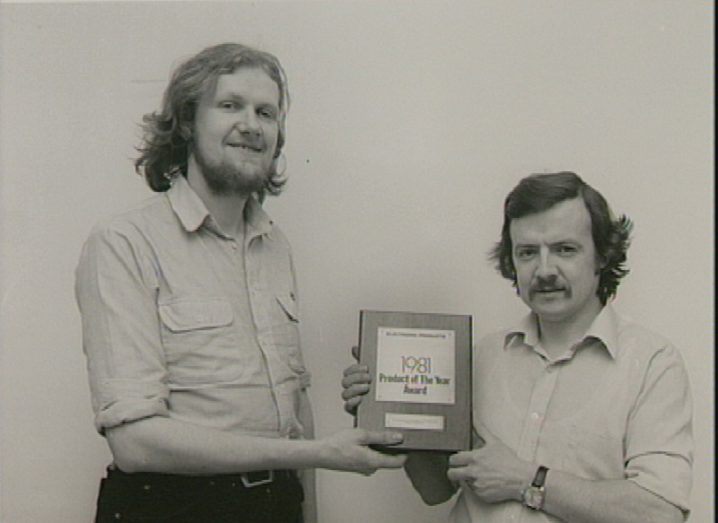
x=535 y=416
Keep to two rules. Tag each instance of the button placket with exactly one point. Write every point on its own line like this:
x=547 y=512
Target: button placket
x=540 y=398
x=260 y=304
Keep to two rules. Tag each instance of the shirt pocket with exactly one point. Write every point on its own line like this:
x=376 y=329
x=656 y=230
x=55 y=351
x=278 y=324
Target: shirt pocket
x=199 y=341
x=285 y=331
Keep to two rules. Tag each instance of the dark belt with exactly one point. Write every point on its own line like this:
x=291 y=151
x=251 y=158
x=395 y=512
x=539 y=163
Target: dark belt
x=247 y=480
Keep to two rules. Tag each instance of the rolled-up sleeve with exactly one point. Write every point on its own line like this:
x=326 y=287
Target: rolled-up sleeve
x=116 y=289
x=659 y=439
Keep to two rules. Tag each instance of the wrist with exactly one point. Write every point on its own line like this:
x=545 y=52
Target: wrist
x=319 y=453
x=533 y=495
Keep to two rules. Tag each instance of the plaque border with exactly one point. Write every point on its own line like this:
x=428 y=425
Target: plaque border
x=456 y=434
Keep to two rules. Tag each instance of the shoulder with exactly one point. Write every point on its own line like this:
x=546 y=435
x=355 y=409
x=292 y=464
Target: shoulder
x=639 y=340
x=646 y=348
x=130 y=231
x=132 y=221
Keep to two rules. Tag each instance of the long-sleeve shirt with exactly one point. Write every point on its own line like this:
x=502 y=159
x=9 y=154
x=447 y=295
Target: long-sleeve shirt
x=181 y=320
x=617 y=405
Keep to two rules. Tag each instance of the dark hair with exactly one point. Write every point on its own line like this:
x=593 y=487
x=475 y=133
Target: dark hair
x=539 y=192
x=167 y=138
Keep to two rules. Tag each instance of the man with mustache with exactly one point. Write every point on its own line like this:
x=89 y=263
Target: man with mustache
x=581 y=415
x=190 y=317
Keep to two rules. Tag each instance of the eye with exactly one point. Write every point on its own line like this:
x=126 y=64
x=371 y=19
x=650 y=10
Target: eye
x=525 y=253
x=566 y=250
x=267 y=113
x=228 y=105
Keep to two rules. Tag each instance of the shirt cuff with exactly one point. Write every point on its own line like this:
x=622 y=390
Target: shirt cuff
x=124 y=401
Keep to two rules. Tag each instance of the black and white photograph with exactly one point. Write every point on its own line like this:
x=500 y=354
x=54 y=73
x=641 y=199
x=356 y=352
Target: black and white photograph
x=201 y=200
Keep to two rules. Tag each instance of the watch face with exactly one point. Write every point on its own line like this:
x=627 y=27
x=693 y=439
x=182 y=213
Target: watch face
x=533 y=497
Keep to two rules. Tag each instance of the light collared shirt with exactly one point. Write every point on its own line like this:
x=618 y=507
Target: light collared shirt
x=180 y=320
x=617 y=405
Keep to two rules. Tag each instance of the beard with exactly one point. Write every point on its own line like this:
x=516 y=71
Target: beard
x=225 y=179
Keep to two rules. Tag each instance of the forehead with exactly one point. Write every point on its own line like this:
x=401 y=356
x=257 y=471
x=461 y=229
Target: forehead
x=250 y=82
x=567 y=220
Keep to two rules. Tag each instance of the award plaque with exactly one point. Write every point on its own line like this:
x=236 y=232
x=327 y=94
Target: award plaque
x=420 y=366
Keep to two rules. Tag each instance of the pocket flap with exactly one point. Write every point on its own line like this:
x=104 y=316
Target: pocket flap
x=186 y=315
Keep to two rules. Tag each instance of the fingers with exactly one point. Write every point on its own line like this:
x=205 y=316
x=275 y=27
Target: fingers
x=382 y=438
x=461 y=459
x=355 y=391
x=356 y=378
x=356 y=369
x=351 y=404
x=386 y=461
x=355 y=384
x=460 y=474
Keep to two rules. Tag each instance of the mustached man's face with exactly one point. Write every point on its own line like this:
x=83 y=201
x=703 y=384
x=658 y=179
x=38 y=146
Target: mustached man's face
x=556 y=262
x=235 y=132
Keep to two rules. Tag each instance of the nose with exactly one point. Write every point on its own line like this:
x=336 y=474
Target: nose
x=546 y=267
x=247 y=122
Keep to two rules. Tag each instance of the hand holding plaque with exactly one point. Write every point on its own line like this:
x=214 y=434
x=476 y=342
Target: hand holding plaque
x=421 y=378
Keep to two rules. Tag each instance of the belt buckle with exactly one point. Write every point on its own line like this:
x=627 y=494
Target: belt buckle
x=248 y=483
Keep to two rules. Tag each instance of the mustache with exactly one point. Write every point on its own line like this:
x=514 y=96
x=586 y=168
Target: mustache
x=547 y=285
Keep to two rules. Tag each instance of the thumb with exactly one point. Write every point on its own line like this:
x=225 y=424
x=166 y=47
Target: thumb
x=355 y=352
x=384 y=438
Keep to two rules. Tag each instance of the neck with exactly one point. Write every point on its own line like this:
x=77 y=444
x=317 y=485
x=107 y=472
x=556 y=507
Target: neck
x=227 y=210
x=557 y=336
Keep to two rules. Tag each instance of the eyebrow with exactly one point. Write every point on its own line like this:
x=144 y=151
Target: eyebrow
x=551 y=244
x=234 y=95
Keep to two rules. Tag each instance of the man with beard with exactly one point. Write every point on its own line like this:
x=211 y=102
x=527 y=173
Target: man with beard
x=581 y=415
x=190 y=317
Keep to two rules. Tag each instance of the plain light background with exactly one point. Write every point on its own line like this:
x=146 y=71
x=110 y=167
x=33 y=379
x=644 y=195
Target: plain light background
x=410 y=122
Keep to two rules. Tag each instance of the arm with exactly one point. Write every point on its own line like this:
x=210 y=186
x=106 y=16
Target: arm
x=116 y=291
x=496 y=474
x=616 y=501
x=160 y=444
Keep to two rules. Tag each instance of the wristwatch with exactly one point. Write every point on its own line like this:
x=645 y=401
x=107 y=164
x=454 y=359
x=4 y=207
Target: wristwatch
x=533 y=495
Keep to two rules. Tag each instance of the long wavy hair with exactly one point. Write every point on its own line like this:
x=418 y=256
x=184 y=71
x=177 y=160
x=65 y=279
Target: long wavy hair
x=167 y=134
x=539 y=192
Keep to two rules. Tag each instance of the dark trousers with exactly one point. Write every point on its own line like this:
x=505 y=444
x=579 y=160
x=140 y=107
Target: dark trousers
x=149 y=497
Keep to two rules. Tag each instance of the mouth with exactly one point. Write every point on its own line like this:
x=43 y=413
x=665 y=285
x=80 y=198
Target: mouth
x=548 y=292
x=254 y=148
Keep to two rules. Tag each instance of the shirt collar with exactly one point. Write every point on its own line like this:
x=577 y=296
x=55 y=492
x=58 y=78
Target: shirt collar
x=258 y=222
x=189 y=208
x=192 y=212
x=604 y=329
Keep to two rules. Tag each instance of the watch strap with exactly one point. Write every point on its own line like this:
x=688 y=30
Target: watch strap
x=540 y=477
